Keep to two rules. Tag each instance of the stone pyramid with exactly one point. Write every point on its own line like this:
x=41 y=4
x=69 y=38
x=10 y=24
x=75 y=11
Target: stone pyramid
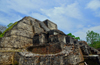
x=32 y=42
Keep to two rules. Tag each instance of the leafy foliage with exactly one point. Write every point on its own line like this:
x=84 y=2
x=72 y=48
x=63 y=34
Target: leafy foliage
x=70 y=34
x=9 y=24
x=1 y=35
x=95 y=45
x=92 y=37
x=77 y=38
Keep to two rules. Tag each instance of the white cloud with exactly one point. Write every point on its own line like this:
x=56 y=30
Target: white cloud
x=22 y=6
x=94 y=4
x=71 y=10
x=63 y=15
x=95 y=28
x=11 y=10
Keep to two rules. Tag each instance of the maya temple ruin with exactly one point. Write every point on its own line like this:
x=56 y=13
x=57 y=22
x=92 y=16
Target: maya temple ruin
x=34 y=42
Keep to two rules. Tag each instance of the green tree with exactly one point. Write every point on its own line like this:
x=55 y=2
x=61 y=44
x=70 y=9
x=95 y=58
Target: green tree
x=77 y=38
x=92 y=37
x=9 y=25
x=70 y=34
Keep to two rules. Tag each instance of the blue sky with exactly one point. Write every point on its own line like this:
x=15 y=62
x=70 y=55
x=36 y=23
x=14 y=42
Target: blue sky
x=71 y=16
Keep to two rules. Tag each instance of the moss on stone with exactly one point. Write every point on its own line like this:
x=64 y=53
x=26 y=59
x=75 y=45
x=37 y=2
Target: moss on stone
x=1 y=35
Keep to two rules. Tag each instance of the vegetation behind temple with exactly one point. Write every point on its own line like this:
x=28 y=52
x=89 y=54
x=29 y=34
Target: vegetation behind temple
x=70 y=34
x=9 y=28
x=95 y=44
x=93 y=39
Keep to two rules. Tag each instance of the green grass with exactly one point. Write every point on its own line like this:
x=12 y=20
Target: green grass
x=1 y=35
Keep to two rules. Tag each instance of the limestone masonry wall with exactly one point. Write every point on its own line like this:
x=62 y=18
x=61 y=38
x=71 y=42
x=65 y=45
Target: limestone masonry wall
x=32 y=42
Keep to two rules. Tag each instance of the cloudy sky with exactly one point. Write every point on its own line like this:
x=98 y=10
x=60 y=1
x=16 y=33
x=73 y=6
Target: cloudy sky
x=71 y=16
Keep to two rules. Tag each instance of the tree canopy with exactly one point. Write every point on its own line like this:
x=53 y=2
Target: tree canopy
x=92 y=37
x=70 y=34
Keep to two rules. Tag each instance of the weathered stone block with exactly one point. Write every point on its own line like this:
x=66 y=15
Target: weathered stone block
x=4 y=41
x=47 y=62
x=52 y=32
x=62 y=38
x=39 y=39
x=37 y=29
x=56 y=60
x=73 y=59
x=35 y=23
x=15 y=41
x=50 y=24
x=20 y=32
x=53 y=38
x=69 y=40
x=85 y=50
x=26 y=21
x=65 y=60
x=23 y=26
x=6 y=58
x=42 y=59
x=44 y=26
x=46 y=49
x=42 y=39
x=76 y=41
x=26 y=61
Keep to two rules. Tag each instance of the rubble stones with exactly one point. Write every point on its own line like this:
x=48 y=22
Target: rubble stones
x=54 y=59
x=6 y=57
